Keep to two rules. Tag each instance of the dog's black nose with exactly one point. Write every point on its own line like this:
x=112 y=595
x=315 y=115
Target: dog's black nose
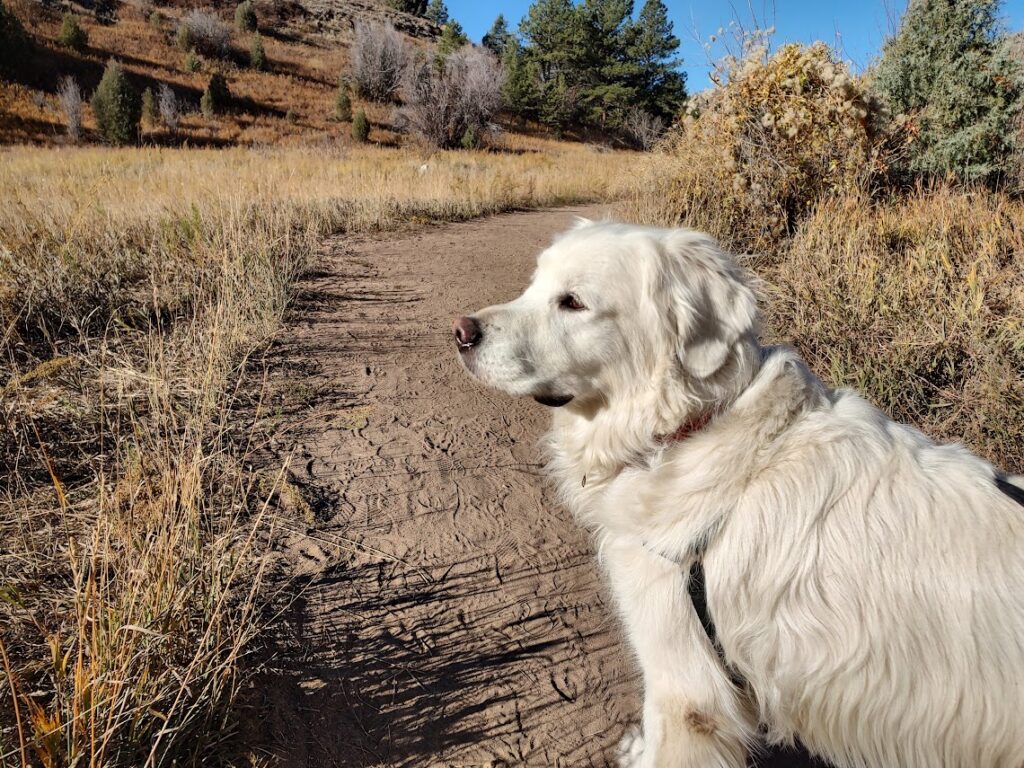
x=467 y=332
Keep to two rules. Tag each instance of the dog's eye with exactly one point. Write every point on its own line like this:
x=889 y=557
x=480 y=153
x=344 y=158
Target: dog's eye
x=571 y=302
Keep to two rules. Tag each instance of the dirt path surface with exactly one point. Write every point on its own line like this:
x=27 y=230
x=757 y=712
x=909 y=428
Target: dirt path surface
x=451 y=613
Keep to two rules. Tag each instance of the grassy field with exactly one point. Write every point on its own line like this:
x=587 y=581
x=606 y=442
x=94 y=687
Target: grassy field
x=918 y=302
x=134 y=286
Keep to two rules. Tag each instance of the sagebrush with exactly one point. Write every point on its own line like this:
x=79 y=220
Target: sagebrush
x=205 y=32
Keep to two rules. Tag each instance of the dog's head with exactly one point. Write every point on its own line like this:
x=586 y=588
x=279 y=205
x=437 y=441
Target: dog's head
x=613 y=309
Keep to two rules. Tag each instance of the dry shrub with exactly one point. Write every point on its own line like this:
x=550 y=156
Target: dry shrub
x=205 y=32
x=919 y=303
x=452 y=99
x=643 y=129
x=168 y=107
x=70 y=98
x=757 y=153
x=380 y=57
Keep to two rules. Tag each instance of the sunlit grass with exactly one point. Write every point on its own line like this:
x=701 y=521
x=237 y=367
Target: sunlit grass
x=134 y=286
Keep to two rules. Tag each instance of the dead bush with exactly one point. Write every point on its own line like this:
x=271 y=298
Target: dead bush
x=204 y=32
x=168 y=107
x=450 y=102
x=380 y=57
x=70 y=97
x=754 y=155
x=643 y=129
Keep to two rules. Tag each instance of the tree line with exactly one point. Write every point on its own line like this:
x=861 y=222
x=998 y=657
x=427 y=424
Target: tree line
x=592 y=64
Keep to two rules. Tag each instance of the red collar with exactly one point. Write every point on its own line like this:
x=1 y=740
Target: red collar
x=686 y=429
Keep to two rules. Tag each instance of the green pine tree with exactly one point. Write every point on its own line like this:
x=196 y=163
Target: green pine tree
x=71 y=34
x=556 y=42
x=245 y=17
x=591 y=63
x=437 y=12
x=452 y=38
x=653 y=69
x=522 y=87
x=257 y=54
x=558 y=106
x=183 y=38
x=949 y=67
x=554 y=32
x=361 y=127
x=497 y=37
x=116 y=106
x=149 y=116
x=217 y=96
x=343 y=104
x=603 y=92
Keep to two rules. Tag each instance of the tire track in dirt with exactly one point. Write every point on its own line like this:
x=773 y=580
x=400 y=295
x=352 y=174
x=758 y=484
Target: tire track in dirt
x=450 y=612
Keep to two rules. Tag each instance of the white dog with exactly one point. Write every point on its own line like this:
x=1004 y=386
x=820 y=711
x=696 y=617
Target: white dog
x=866 y=584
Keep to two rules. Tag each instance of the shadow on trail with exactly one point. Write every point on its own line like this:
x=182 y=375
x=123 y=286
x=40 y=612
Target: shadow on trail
x=373 y=688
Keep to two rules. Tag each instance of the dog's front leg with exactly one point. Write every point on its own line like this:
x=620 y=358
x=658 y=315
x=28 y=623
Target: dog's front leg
x=693 y=715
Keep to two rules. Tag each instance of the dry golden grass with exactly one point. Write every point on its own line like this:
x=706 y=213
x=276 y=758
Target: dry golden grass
x=917 y=300
x=919 y=303
x=133 y=287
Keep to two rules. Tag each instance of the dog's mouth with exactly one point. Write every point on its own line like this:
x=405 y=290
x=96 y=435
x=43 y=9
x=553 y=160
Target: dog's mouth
x=553 y=401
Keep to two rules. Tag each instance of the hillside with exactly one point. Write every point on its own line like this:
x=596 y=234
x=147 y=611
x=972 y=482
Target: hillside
x=306 y=43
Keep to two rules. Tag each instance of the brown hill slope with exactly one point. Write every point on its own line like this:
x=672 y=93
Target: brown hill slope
x=306 y=43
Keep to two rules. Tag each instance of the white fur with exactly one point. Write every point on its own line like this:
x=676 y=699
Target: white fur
x=866 y=583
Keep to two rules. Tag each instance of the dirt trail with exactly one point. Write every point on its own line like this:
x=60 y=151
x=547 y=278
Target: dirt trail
x=451 y=613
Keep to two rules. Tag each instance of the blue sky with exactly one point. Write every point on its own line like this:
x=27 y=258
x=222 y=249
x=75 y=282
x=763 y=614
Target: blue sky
x=857 y=27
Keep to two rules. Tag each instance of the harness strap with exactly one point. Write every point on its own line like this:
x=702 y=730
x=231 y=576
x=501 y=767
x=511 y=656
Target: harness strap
x=696 y=588
x=699 y=597
x=1015 y=492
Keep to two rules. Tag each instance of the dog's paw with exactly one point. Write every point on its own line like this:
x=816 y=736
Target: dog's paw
x=630 y=750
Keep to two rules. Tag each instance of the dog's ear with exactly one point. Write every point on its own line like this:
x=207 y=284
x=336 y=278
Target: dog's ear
x=711 y=305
